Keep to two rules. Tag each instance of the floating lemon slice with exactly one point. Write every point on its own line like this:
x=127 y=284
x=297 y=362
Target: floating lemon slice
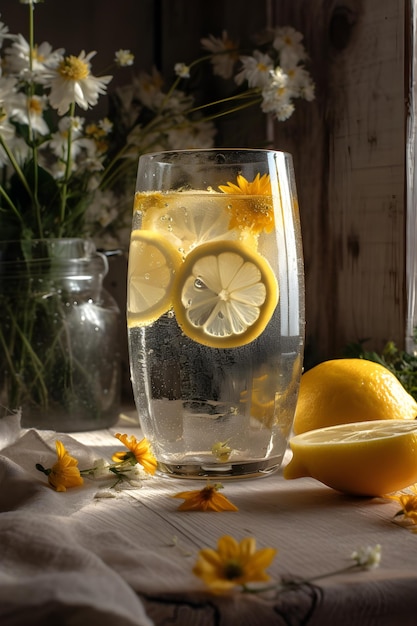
x=153 y=263
x=224 y=294
x=370 y=458
x=190 y=218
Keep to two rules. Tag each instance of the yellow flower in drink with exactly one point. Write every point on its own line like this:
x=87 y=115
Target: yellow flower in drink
x=233 y=564
x=260 y=186
x=138 y=452
x=206 y=499
x=254 y=211
x=64 y=474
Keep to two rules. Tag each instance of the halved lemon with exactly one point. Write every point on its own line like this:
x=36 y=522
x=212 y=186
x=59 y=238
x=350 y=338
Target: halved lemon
x=370 y=458
x=153 y=263
x=191 y=218
x=224 y=294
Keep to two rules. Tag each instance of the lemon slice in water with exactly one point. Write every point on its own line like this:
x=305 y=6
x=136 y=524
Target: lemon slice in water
x=370 y=458
x=224 y=294
x=188 y=219
x=153 y=263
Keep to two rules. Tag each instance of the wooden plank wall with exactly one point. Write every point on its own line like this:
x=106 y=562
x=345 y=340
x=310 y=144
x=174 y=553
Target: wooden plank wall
x=348 y=146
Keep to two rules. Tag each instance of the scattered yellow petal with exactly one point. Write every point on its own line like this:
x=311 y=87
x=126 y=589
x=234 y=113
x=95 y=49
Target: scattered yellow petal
x=206 y=499
x=233 y=563
x=139 y=452
x=64 y=473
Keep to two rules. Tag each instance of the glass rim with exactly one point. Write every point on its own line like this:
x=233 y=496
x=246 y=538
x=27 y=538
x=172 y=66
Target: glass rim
x=229 y=150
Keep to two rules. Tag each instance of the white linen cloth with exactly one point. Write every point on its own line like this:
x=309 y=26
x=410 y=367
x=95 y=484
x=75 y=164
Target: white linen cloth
x=50 y=568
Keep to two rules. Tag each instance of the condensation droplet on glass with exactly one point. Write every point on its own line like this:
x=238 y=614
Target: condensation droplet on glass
x=147 y=276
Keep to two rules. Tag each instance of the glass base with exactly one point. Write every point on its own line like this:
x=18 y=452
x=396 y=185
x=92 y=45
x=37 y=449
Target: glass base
x=225 y=471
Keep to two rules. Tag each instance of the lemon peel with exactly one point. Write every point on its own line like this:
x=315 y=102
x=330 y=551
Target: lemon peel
x=341 y=391
x=372 y=458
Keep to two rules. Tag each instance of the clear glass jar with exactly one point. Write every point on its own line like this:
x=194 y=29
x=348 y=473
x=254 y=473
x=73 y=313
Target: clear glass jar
x=59 y=335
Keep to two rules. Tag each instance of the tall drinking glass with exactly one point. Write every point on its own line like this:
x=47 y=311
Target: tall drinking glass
x=216 y=309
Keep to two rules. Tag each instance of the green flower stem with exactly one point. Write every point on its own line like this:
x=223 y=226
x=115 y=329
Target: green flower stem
x=292 y=584
x=16 y=167
x=31 y=34
x=237 y=97
x=30 y=128
x=11 y=204
x=68 y=164
x=25 y=335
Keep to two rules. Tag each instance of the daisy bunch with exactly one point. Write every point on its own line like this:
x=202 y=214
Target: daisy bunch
x=63 y=174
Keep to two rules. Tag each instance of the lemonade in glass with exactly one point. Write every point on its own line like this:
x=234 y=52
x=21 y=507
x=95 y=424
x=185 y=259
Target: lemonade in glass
x=215 y=309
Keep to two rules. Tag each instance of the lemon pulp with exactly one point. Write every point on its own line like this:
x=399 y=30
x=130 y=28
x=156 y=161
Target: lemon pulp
x=153 y=263
x=370 y=458
x=224 y=294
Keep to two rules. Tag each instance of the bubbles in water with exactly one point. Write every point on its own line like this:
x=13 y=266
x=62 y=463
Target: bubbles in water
x=199 y=284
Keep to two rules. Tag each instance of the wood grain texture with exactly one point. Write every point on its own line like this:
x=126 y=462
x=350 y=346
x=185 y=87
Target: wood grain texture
x=349 y=155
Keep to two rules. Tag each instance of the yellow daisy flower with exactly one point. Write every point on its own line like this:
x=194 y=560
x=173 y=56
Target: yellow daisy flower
x=260 y=186
x=233 y=564
x=206 y=499
x=408 y=506
x=139 y=452
x=64 y=474
x=256 y=214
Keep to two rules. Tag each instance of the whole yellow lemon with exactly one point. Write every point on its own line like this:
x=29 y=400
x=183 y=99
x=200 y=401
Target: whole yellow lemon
x=342 y=391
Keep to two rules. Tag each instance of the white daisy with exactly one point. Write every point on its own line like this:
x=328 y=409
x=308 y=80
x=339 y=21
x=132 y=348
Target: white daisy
x=58 y=144
x=255 y=69
x=17 y=58
x=299 y=82
x=276 y=96
x=72 y=81
x=106 y=125
x=182 y=70
x=147 y=87
x=4 y=32
x=124 y=58
x=224 y=52
x=29 y=111
x=288 y=43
